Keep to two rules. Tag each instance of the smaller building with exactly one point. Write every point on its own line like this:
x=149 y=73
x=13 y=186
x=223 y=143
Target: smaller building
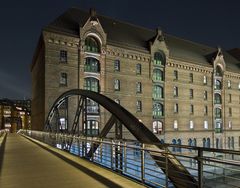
x=15 y=114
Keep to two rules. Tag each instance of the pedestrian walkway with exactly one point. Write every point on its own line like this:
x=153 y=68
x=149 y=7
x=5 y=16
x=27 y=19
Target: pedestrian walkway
x=27 y=165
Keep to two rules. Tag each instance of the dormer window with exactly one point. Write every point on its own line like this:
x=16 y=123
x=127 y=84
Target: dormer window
x=92 y=45
x=159 y=59
x=219 y=71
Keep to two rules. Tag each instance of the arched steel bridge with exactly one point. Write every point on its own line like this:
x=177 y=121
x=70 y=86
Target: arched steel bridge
x=177 y=173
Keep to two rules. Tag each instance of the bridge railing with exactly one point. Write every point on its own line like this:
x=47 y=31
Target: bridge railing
x=210 y=167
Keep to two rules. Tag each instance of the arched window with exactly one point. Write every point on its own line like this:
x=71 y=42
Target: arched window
x=157 y=127
x=179 y=142
x=91 y=84
x=157 y=92
x=91 y=65
x=157 y=75
x=204 y=142
x=219 y=71
x=218 y=113
x=190 y=143
x=174 y=142
x=195 y=142
x=208 y=142
x=157 y=110
x=92 y=45
x=217 y=98
x=218 y=84
x=159 y=59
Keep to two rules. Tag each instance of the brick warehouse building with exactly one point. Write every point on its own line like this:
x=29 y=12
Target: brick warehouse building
x=185 y=92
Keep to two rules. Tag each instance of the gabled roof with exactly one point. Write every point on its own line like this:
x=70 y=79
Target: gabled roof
x=235 y=53
x=125 y=34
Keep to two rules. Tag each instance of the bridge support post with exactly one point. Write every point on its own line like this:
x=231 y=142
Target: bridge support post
x=200 y=168
x=118 y=148
x=143 y=163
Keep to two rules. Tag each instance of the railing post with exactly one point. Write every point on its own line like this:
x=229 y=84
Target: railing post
x=166 y=167
x=92 y=147
x=112 y=148
x=143 y=163
x=125 y=157
x=101 y=149
x=200 y=168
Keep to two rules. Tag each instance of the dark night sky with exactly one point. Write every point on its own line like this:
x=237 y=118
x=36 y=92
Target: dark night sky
x=211 y=22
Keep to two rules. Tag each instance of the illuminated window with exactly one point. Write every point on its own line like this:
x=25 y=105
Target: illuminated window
x=63 y=56
x=63 y=79
x=229 y=84
x=205 y=124
x=157 y=127
x=157 y=75
x=159 y=59
x=191 y=125
x=92 y=45
x=92 y=128
x=219 y=71
x=230 y=124
x=218 y=113
x=157 y=92
x=205 y=79
x=175 y=91
x=175 y=124
x=157 y=110
x=139 y=106
x=91 y=84
x=218 y=84
x=63 y=124
x=175 y=74
x=116 y=65
x=91 y=65
x=205 y=95
x=117 y=85
x=139 y=87
x=217 y=98
x=138 y=68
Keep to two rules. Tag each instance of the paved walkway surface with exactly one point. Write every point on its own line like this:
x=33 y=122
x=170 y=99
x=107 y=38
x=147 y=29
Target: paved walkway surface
x=25 y=164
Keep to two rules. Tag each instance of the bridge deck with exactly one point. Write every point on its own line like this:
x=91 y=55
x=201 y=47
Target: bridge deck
x=26 y=164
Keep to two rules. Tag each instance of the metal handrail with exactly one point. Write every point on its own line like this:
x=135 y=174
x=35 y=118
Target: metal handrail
x=135 y=161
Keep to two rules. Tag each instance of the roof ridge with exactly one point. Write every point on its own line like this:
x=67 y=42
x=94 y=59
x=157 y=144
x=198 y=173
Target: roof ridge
x=145 y=28
x=115 y=19
x=193 y=42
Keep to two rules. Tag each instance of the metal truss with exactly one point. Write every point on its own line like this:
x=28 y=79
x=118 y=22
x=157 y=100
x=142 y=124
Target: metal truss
x=176 y=172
